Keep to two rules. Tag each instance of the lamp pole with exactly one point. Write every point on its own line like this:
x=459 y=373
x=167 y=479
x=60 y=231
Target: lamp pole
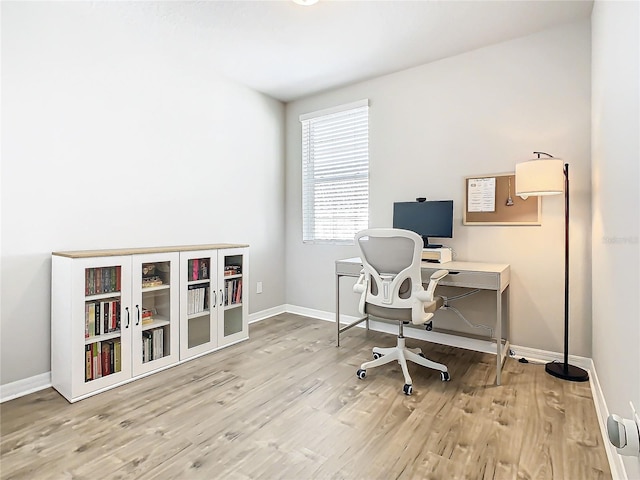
x=564 y=370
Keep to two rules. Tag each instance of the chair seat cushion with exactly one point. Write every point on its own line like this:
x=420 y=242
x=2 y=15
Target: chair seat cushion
x=401 y=314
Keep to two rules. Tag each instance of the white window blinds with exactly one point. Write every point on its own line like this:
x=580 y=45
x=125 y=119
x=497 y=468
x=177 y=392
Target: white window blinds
x=335 y=173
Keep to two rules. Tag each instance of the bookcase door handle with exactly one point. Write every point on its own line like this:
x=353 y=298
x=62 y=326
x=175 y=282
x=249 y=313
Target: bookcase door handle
x=221 y=297
x=138 y=319
x=215 y=298
x=127 y=325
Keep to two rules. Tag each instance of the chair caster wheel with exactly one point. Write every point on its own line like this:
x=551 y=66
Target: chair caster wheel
x=429 y=327
x=407 y=389
x=444 y=376
x=361 y=373
x=376 y=355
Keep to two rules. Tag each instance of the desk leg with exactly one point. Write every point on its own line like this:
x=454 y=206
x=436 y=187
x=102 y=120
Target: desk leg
x=498 y=336
x=339 y=330
x=338 y=308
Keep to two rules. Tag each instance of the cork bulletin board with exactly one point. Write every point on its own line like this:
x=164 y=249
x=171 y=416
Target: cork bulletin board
x=491 y=200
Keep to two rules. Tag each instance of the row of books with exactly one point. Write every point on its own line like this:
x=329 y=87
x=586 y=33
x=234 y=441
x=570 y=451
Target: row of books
x=232 y=270
x=197 y=299
x=102 y=280
x=198 y=269
x=152 y=344
x=101 y=317
x=233 y=291
x=102 y=359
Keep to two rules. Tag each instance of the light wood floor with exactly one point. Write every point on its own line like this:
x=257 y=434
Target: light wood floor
x=287 y=405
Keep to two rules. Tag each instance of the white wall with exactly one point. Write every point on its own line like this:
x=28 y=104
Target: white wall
x=616 y=202
x=116 y=133
x=473 y=114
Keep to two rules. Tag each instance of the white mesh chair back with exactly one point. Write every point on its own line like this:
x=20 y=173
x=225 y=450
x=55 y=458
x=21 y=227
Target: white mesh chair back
x=391 y=260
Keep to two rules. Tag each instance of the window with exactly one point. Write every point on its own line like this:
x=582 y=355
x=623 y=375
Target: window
x=335 y=173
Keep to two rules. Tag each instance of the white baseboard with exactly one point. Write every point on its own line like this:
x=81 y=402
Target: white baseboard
x=264 y=314
x=25 y=386
x=536 y=355
x=39 y=382
x=618 y=472
x=319 y=314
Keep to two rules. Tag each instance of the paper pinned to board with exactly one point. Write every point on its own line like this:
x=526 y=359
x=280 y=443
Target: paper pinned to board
x=482 y=195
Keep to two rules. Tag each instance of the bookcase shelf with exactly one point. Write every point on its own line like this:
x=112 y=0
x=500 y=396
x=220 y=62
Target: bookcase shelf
x=155 y=289
x=157 y=322
x=232 y=306
x=102 y=296
x=100 y=334
x=102 y=338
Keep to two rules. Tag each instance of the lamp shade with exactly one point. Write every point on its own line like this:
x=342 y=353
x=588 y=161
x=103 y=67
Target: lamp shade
x=540 y=177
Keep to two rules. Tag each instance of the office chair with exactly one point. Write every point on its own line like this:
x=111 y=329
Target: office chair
x=390 y=287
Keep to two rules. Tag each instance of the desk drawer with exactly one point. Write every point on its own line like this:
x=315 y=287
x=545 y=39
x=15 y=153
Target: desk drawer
x=484 y=280
x=350 y=269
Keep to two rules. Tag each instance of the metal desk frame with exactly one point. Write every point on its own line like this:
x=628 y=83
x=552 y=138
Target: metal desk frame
x=485 y=276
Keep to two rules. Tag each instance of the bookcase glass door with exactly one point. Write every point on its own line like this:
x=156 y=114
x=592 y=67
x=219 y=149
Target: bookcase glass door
x=155 y=288
x=232 y=318
x=198 y=306
x=103 y=323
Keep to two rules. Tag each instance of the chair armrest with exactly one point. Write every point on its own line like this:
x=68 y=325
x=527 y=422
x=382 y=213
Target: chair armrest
x=359 y=286
x=433 y=282
x=424 y=309
x=439 y=274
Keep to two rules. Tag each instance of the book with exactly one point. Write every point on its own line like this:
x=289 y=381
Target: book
x=112 y=270
x=239 y=291
x=158 y=343
x=91 y=319
x=88 y=370
x=147 y=347
x=117 y=362
x=112 y=356
x=112 y=325
x=118 y=278
x=96 y=319
x=95 y=361
x=104 y=308
x=87 y=319
x=105 y=358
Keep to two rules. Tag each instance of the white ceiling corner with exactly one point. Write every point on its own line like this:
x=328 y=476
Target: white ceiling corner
x=289 y=51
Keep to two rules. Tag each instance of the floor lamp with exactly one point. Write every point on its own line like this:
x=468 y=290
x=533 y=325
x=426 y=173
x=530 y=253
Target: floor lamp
x=550 y=176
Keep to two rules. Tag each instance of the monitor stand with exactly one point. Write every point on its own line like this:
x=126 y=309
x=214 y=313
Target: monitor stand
x=425 y=240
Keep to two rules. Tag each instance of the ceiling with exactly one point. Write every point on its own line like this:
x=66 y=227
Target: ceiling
x=289 y=51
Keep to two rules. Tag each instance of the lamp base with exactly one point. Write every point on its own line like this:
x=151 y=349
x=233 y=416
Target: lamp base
x=566 y=372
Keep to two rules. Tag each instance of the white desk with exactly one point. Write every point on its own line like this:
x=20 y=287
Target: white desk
x=485 y=276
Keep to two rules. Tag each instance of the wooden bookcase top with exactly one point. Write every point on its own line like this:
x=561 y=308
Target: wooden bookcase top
x=144 y=250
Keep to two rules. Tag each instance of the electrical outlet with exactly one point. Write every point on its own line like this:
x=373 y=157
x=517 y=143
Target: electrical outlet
x=624 y=433
x=259 y=287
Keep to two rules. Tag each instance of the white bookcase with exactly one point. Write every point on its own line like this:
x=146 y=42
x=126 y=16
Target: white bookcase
x=121 y=314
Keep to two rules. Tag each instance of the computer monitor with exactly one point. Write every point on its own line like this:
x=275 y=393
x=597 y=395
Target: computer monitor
x=428 y=219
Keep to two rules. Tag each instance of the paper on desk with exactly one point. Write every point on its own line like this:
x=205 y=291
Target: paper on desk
x=482 y=195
